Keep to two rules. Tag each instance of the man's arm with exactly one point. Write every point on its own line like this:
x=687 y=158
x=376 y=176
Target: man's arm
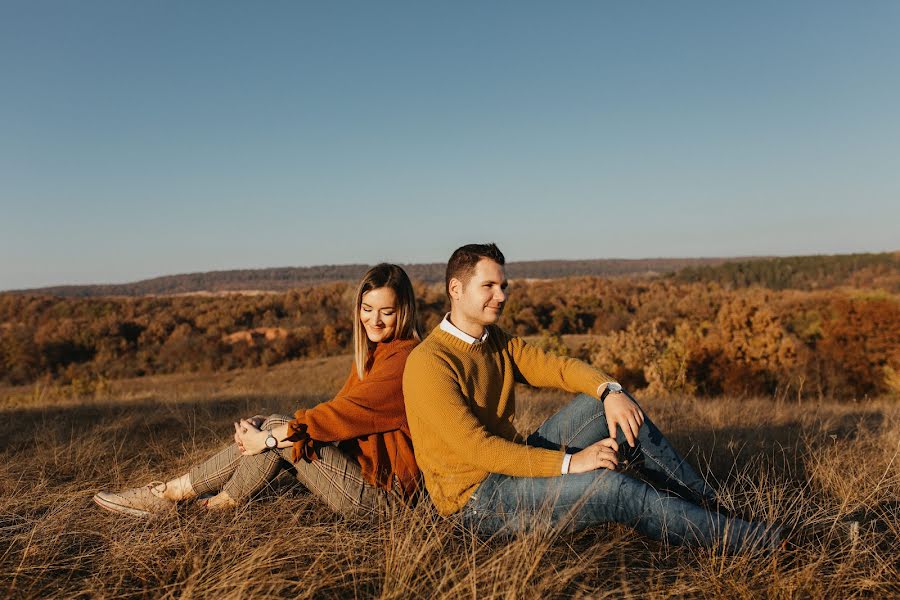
x=544 y=369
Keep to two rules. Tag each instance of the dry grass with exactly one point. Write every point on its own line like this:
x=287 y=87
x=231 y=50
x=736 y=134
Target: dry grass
x=794 y=463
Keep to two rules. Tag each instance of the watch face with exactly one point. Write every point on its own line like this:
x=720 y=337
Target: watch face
x=271 y=442
x=613 y=387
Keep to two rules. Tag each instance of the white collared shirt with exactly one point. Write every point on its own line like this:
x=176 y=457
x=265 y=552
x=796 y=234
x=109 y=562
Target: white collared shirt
x=455 y=331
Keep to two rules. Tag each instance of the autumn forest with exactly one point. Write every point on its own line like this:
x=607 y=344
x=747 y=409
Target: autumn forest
x=824 y=326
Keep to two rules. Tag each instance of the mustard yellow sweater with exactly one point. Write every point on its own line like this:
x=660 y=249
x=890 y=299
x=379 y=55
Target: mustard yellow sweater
x=461 y=404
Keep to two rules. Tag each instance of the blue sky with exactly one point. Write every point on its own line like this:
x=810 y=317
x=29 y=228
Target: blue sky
x=147 y=138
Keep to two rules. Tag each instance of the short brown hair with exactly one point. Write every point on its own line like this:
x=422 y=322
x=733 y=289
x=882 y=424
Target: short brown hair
x=463 y=260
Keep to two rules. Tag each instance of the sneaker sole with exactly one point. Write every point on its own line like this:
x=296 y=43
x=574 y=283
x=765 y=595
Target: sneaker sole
x=118 y=508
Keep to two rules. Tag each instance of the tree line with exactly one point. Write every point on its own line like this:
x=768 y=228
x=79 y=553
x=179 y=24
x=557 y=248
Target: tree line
x=802 y=272
x=287 y=278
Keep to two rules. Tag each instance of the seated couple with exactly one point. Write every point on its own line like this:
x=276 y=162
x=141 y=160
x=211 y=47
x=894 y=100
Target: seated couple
x=452 y=397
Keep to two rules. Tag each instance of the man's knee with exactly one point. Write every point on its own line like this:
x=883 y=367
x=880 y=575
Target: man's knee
x=584 y=408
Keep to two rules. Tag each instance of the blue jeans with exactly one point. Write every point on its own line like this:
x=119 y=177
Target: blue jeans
x=508 y=505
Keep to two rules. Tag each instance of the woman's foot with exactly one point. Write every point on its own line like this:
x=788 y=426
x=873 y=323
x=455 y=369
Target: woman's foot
x=141 y=501
x=220 y=501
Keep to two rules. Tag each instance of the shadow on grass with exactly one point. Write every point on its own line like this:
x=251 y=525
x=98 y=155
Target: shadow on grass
x=716 y=451
x=152 y=417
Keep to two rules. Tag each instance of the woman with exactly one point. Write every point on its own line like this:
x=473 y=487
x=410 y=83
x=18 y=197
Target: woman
x=372 y=462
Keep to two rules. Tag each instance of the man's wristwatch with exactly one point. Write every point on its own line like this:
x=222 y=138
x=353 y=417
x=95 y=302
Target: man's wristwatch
x=271 y=441
x=611 y=388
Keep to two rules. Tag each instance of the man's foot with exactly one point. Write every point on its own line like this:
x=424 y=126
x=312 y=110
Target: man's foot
x=141 y=501
x=220 y=501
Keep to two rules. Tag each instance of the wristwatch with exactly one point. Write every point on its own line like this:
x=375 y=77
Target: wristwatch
x=271 y=441
x=611 y=388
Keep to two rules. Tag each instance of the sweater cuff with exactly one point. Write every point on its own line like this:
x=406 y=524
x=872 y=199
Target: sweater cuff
x=567 y=460
x=303 y=444
x=549 y=465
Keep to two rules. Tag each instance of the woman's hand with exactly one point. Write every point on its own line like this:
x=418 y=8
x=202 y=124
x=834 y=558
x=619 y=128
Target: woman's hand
x=251 y=440
x=257 y=421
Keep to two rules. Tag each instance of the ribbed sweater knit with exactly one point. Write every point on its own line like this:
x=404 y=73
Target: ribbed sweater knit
x=368 y=417
x=461 y=406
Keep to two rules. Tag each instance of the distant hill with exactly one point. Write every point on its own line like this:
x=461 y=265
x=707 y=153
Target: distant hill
x=802 y=272
x=284 y=278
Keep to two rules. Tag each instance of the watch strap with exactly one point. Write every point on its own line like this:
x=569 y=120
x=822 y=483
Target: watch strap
x=607 y=392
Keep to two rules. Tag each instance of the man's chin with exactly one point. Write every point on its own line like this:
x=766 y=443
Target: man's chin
x=492 y=315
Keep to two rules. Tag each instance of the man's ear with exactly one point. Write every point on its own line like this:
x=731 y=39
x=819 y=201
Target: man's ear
x=455 y=288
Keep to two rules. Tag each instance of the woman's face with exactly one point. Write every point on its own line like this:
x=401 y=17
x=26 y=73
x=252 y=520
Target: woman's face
x=378 y=314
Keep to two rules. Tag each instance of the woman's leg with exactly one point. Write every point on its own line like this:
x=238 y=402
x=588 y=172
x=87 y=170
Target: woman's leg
x=236 y=477
x=582 y=422
x=228 y=473
x=334 y=477
x=337 y=479
x=210 y=476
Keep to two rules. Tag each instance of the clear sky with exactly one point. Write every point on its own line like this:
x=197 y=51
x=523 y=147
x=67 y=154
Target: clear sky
x=148 y=138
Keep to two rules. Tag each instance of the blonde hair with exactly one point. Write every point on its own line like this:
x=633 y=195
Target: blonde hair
x=395 y=278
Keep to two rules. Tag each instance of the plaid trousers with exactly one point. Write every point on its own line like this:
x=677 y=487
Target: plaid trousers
x=336 y=478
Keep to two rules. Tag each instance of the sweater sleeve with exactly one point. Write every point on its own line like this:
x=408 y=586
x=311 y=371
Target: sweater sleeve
x=544 y=369
x=373 y=405
x=440 y=416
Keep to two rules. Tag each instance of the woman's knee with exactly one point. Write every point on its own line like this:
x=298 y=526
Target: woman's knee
x=273 y=421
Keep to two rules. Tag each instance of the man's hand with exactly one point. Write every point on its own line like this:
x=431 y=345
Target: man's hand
x=622 y=412
x=601 y=454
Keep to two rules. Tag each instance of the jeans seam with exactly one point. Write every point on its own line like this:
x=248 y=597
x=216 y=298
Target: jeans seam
x=580 y=429
x=666 y=470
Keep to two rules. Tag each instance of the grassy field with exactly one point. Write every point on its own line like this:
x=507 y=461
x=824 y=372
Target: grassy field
x=799 y=464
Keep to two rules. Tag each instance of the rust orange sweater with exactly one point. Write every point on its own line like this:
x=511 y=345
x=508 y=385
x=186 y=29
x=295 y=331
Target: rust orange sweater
x=369 y=418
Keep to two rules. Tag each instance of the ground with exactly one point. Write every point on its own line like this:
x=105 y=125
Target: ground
x=802 y=464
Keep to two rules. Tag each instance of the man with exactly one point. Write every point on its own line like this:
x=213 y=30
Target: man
x=459 y=389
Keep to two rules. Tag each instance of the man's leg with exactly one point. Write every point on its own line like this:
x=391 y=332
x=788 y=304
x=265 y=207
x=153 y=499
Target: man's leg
x=582 y=422
x=515 y=504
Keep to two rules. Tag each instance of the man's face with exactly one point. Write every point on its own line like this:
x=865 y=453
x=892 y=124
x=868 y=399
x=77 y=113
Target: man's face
x=482 y=298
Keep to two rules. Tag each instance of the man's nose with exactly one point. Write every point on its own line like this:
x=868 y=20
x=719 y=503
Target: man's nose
x=500 y=295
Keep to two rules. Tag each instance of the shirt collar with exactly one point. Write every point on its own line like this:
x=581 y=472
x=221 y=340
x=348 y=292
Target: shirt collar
x=455 y=331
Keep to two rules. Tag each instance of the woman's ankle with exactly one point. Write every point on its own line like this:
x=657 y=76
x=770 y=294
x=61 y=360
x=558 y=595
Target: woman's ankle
x=179 y=488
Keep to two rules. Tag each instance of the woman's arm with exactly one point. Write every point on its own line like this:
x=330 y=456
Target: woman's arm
x=373 y=405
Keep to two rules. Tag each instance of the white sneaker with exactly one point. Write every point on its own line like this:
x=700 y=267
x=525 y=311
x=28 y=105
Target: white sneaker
x=137 y=502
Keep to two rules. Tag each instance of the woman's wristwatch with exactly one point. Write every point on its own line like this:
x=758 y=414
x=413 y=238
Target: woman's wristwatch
x=271 y=441
x=611 y=388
